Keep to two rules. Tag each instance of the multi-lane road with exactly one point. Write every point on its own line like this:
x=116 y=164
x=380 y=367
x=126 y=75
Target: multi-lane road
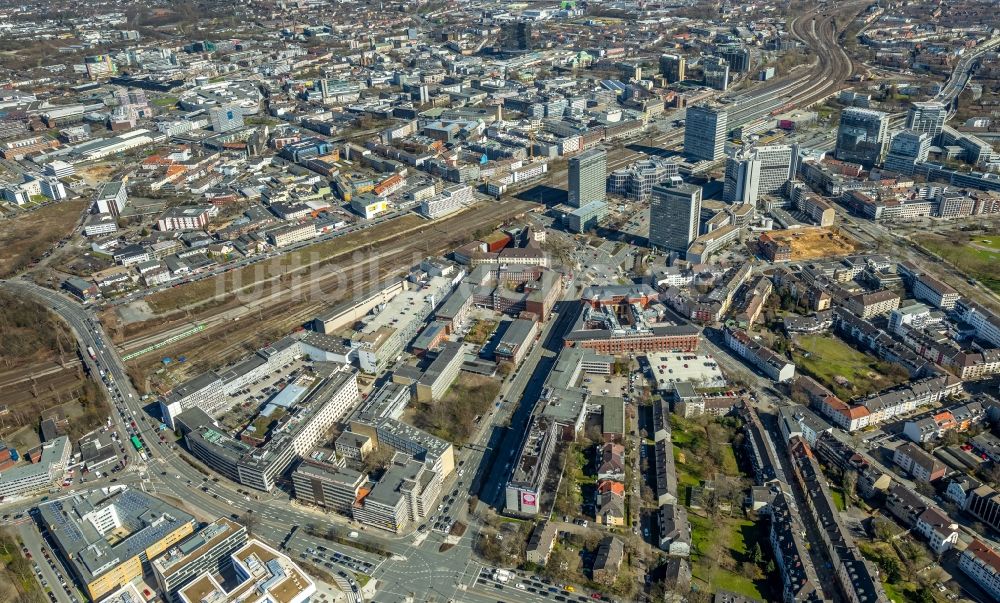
x=419 y=569
x=961 y=75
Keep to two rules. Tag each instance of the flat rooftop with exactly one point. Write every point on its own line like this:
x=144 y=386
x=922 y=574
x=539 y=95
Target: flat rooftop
x=402 y=307
x=675 y=367
x=130 y=522
x=271 y=577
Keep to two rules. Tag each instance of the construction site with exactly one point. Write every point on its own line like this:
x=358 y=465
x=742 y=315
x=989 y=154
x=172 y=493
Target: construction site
x=803 y=244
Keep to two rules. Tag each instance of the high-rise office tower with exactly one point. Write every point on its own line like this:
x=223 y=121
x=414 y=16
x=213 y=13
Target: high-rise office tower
x=588 y=177
x=927 y=116
x=674 y=215
x=863 y=136
x=738 y=57
x=742 y=180
x=716 y=72
x=776 y=164
x=705 y=131
x=906 y=149
x=754 y=171
x=673 y=67
x=517 y=36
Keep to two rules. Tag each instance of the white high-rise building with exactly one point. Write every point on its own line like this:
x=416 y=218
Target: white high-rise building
x=588 y=177
x=742 y=181
x=111 y=198
x=927 y=117
x=754 y=171
x=906 y=149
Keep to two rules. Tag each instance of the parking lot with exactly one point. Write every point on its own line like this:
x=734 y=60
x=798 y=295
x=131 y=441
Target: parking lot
x=605 y=385
x=47 y=567
x=537 y=585
x=247 y=402
x=346 y=566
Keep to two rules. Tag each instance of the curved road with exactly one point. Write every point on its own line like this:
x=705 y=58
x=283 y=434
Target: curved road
x=417 y=569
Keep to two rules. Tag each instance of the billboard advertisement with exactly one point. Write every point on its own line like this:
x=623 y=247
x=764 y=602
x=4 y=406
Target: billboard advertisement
x=528 y=500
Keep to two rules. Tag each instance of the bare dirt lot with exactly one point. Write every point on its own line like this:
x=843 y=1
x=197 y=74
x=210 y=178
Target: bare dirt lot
x=25 y=238
x=813 y=243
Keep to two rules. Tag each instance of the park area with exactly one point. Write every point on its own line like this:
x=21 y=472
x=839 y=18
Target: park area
x=847 y=372
x=453 y=417
x=480 y=332
x=728 y=548
x=976 y=254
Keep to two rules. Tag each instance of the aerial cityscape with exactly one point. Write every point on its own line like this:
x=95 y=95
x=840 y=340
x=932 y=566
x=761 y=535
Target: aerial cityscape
x=476 y=301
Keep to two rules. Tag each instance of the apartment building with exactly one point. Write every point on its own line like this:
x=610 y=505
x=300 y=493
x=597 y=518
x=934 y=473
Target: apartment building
x=940 y=532
x=920 y=465
x=867 y=305
x=984 y=321
x=981 y=562
x=186 y=217
x=772 y=364
x=798 y=575
x=931 y=290
x=935 y=425
x=541 y=542
x=856 y=576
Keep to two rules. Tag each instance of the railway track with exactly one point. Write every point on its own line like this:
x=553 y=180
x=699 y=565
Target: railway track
x=335 y=286
x=815 y=29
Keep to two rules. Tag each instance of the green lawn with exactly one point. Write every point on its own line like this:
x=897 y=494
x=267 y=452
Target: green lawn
x=166 y=101
x=838 y=498
x=991 y=241
x=729 y=466
x=892 y=593
x=679 y=434
x=734 y=533
x=684 y=477
x=976 y=256
x=826 y=357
